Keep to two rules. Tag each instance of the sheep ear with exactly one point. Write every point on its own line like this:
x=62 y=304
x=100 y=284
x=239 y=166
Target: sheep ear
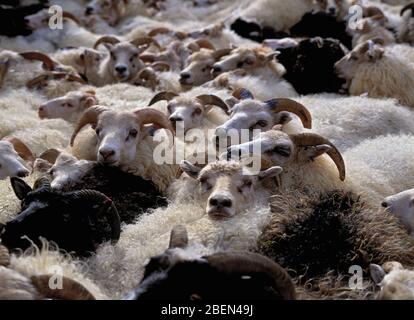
x=377 y=273
x=190 y=169
x=89 y=101
x=270 y=173
x=272 y=55
x=20 y=188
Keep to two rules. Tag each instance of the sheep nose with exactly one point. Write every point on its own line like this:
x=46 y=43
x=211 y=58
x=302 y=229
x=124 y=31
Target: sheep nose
x=175 y=119
x=185 y=75
x=106 y=153
x=22 y=173
x=384 y=204
x=216 y=69
x=221 y=201
x=332 y=10
x=88 y=11
x=120 y=69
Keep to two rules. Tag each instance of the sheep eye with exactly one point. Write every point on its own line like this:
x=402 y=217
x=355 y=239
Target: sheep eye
x=69 y=105
x=98 y=131
x=240 y=64
x=97 y=59
x=133 y=133
x=204 y=70
x=205 y=184
x=52 y=172
x=113 y=56
x=262 y=123
x=197 y=112
x=283 y=151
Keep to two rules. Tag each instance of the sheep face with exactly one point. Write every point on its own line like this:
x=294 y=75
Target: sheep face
x=118 y=135
x=331 y=7
x=38 y=20
x=187 y=111
x=244 y=58
x=68 y=107
x=402 y=206
x=67 y=170
x=253 y=115
x=124 y=63
x=368 y=52
x=225 y=188
x=281 y=149
x=109 y=10
x=198 y=70
x=11 y=164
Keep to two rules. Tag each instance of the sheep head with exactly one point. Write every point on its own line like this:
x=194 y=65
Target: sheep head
x=199 y=66
x=123 y=62
x=68 y=107
x=245 y=58
x=119 y=133
x=226 y=188
x=279 y=148
x=190 y=112
x=109 y=10
x=15 y=158
x=56 y=216
x=251 y=114
x=367 y=52
x=41 y=19
x=401 y=205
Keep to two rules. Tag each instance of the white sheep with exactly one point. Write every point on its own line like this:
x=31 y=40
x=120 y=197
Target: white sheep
x=120 y=139
x=374 y=70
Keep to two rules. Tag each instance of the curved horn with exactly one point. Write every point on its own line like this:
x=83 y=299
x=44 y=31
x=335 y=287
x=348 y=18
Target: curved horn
x=4 y=256
x=407 y=7
x=35 y=55
x=220 y=53
x=204 y=43
x=211 y=99
x=21 y=148
x=181 y=35
x=50 y=155
x=282 y=104
x=109 y=207
x=146 y=57
x=161 y=66
x=70 y=16
x=42 y=182
x=71 y=289
x=90 y=116
x=242 y=94
x=149 y=115
x=157 y=31
x=313 y=139
x=373 y=11
x=106 y=39
x=164 y=95
x=178 y=237
x=54 y=76
x=144 y=40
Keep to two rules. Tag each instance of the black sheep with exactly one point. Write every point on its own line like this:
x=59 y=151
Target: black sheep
x=76 y=221
x=220 y=276
x=131 y=194
x=12 y=19
x=321 y=24
x=310 y=65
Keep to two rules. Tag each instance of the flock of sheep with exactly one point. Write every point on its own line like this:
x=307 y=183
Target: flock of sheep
x=323 y=100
